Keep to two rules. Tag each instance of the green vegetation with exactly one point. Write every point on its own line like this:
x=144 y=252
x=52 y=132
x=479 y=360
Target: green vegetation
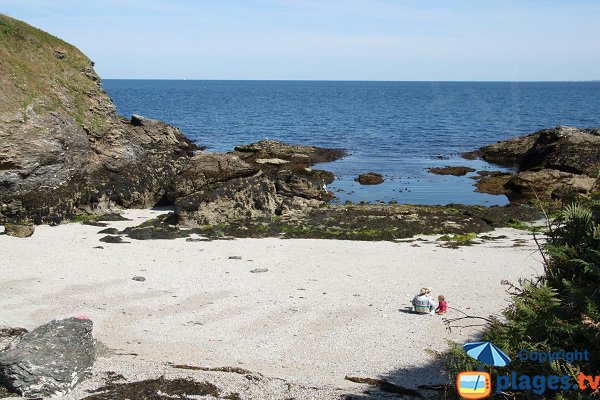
x=45 y=74
x=83 y=218
x=524 y=226
x=466 y=237
x=560 y=310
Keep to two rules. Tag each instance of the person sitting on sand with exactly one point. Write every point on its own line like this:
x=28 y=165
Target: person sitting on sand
x=423 y=303
x=442 y=305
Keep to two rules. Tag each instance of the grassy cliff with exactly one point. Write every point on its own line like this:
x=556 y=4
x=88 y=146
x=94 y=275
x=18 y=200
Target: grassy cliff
x=45 y=74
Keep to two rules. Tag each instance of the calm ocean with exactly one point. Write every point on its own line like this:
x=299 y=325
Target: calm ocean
x=395 y=128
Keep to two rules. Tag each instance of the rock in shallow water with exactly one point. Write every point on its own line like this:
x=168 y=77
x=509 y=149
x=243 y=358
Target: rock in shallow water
x=370 y=178
x=50 y=360
x=455 y=171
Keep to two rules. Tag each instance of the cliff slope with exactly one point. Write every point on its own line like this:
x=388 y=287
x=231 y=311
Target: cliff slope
x=63 y=149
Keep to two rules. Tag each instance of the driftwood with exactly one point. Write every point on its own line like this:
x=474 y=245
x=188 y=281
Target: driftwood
x=235 y=370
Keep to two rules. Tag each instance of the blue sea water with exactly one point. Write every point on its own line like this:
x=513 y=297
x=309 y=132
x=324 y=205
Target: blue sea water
x=398 y=129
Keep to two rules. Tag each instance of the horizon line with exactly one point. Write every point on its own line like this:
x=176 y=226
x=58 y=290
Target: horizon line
x=355 y=80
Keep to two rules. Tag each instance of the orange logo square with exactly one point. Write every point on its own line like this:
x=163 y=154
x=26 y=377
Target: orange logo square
x=474 y=385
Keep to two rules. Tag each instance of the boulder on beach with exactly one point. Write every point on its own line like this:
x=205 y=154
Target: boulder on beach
x=50 y=360
x=370 y=178
x=19 y=230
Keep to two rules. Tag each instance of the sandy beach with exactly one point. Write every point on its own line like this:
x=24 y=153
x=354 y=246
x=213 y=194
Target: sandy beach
x=324 y=309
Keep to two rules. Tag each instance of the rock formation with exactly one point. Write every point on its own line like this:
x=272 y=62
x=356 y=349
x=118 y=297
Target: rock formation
x=455 y=171
x=64 y=151
x=49 y=360
x=549 y=163
x=215 y=188
x=370 y=178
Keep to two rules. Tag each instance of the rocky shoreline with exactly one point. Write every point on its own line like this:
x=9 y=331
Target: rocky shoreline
x=551 y=164
x=65 y=155
x=78 y=158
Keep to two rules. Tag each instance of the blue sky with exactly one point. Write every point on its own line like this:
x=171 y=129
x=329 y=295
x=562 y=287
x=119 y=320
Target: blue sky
x=327 y=39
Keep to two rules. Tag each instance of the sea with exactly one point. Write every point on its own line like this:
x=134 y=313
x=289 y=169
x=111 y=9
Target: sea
x=397 y=129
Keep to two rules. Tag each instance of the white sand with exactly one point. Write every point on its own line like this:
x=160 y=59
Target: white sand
x=324 y=309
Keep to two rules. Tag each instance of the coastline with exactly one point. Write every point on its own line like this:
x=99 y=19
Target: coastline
x=323 y=310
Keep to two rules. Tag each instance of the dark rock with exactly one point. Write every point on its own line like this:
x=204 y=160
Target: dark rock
x=19 y=230
x=156 y=389
x=208 y=169
x=111 y=217
x=264 y=193
x=138 y=278
x=491 y=173
x=326 y=177
x=508 y=152
x=551 y=163
x=10 y=336
x=564 y=149
x=60 y=54
x=549 y=183
x=271 y=149
x=112 y=239
x=455 y=171
x=370 y=178
x=158 y=228
x=50 y=360
x=492 y=182
x=94 y=223
x=109 y=231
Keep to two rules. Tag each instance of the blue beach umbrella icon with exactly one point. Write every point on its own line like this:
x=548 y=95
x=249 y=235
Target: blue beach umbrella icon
x=487 y=353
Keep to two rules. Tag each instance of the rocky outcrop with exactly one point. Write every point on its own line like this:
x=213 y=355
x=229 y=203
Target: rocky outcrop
x=455 y=171
x=215 y=188
x=507 y=153
x=550 y=163
x=50 y=360
x=370 y=178
x=492 y=182
x=270 y=151
x=565 y=149
x=63 y=149
x=549 y=182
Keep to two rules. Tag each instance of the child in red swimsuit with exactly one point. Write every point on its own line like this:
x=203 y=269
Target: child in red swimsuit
x=442 y=305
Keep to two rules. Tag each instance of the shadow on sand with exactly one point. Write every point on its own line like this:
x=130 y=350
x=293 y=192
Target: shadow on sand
x=426 y=382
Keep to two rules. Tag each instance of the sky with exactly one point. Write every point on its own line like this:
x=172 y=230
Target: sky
x=399 y=40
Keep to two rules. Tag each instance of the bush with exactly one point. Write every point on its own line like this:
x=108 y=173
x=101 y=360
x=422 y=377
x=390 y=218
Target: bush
x=560 y=310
